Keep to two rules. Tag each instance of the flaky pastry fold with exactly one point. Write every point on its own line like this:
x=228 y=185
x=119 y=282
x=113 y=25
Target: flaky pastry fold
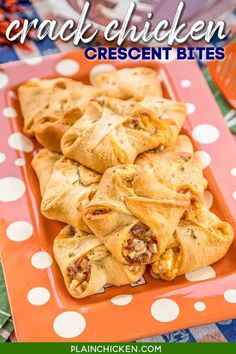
x=113 y=132
x=87 y=265
x=69 y=188
x=133 y=216
x=50 y=107
x=129 y=83
x=196 y=243
x=177 y=170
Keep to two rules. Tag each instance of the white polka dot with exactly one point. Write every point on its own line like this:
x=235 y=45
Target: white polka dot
x=38 y=296
x=2 y=157
x=69 y=324
x=100 y=69
x=11 y=189
x=3 y=80
x=122 y=300
x=201 y=274
x=233 y=172
x=234 y=195
x=206 y=133
x=19 y=162
x=67 y=67
x=33 y=61
x=9 y=112
x=41 y=260
x=230 y=296
x=20 y=142
x=185 y=83
x=172 y=56
x=19 y=231
x=165 y=310
x=199 y=306
x=203 y=157
x=191 y=108
x=207 y=199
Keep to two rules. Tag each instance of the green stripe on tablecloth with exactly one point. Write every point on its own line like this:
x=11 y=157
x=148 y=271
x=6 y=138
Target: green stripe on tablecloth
x=5 y=313
x=6 y=331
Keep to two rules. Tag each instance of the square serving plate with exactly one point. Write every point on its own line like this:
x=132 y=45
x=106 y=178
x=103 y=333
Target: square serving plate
x=41 y=306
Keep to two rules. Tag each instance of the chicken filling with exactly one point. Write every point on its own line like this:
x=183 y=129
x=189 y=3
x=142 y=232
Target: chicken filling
x=140 y=246
x=166 y=267
x=142 y=121
x=79 y=273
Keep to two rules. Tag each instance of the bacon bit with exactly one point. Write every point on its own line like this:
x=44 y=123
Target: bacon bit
x=71 y=231
x=134 y=123
x=139 y=229
x=141 y=245
x=100 y=212
x=185 y=158
x=61 y=85
x=80 y=270
x=128 y=182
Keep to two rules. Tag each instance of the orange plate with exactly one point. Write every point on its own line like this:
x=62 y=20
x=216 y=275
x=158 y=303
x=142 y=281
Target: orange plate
x=41 y=306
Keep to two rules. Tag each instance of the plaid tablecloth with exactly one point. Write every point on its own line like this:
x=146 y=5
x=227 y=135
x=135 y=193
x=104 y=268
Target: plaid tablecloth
x=217 y=332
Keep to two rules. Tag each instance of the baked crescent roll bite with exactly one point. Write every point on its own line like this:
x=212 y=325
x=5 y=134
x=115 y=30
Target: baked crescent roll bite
x=195 y=244
x=43 y=163
x=69 y=189
x=87 y=265
x=50 y=107
x=179 y=171
x=113 y=132
x=129 y=83
x=133 y=216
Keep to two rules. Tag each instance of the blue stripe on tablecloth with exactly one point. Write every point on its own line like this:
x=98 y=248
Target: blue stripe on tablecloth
x=7 y=54
x=178 y=336
x=228 y=329
x=45 y=46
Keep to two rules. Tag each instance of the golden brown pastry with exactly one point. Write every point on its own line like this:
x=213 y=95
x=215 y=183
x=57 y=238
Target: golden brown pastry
x=34 y=97
x=183 y=144
x=69 y=188
x=129 y=83
x=133 y=215
x=50 y=107
x=178 y=170
x=42 y=164
x=113 y=132
x=87 y=265
x=196 y=243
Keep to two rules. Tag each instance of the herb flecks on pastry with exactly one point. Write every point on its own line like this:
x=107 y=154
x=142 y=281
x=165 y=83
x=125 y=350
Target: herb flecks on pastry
x=50 y=107
x=129 y=83
x=69 y=188
x=178 y=170
x=197 y=243
x=87 y=265
x=134 y=216
x=113 y=132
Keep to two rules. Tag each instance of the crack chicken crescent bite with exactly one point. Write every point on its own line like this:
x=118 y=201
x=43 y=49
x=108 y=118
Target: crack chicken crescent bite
x=129 y=83
x=50 y=107
x=69 y=189
x=133 y=216
x=196 y=243
x=179 y=171
x=87 y=265
x=113 y=132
